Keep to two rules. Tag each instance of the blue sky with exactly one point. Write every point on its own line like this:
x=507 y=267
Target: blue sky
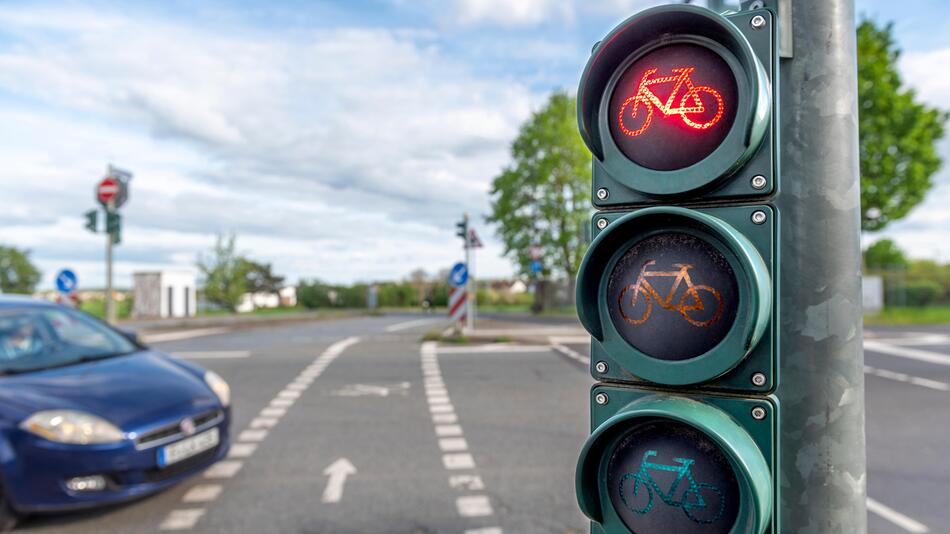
x=339 y=140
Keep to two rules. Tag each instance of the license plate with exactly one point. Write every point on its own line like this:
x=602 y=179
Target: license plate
x=188 y=447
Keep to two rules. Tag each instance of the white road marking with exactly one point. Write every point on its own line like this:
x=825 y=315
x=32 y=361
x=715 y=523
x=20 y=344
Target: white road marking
x=411 y=324
x=182 y=334
x=437 y=399
x=248 y=441
x=901 y=377
x=202 y=493
x=337 y=473
x=501 y=348
x=273 y=412
x=212 y=354
x=363 y=390
x=253 y=435
x=461 y=460
x=441 y=408
x=913 y=338
x=897 y=518
x=570 y=340
x=224 y=469
x=242 y=450
x=474 y=506
x=453 y=444
x=444 y=418
x=263 y=422
x=570 y=353
x=182 y=519
x=466 y=482
x=444 y=431
x=488 y=530
x=297 y=386
x=904 y=352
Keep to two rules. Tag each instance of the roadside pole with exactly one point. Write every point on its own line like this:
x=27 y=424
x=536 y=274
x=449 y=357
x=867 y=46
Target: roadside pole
x=822 y=372
x=469 y=285
x=109 y=303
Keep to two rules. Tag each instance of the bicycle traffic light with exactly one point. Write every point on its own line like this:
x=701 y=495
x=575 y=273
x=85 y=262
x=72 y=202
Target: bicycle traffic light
x=677 y=287
x=92 y=220
x=462 y=229
x=114 y=226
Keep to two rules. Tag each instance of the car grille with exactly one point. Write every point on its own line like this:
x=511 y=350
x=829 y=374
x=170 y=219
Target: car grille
x=172 y=432
x=161 y=474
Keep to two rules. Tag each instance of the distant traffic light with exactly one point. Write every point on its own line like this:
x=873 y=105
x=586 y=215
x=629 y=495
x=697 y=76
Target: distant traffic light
x=676 y=104
x=92 y=220
x=114 y=226
x=462 y=229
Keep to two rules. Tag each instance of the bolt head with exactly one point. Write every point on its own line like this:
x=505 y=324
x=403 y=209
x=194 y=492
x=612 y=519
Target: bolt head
x=758 y=22
x=759 y=181
x=601 y=223
x=602 y=193
x=601 y=367
x=759 y=379
x=759 y=217
x=601 y=399
x=759 y=413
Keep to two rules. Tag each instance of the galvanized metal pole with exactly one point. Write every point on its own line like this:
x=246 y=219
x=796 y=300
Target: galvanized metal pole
x=823 y=466
x=469 y=293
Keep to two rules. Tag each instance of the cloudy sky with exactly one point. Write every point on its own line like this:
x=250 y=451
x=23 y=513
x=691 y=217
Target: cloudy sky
x=339 y=140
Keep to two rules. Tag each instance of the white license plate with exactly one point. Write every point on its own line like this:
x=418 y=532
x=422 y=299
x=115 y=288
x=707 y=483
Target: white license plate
x=188 y=447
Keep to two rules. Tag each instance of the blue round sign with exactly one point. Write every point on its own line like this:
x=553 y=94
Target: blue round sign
x=459 y=275
x=66 y=281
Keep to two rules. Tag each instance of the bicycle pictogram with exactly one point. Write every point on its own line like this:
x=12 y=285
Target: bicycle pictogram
x=699 y=508
x=690 y=108
x=690 y=301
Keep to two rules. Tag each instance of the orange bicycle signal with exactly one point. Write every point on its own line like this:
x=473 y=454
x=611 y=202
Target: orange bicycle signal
x=690 y=300
x=689 y=108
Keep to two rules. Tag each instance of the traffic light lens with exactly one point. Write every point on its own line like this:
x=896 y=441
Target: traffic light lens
x=673 y=296
x=664 y=476
x=673 y=106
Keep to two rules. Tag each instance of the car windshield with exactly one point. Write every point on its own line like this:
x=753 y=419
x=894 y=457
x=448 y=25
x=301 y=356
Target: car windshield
x=34 y=339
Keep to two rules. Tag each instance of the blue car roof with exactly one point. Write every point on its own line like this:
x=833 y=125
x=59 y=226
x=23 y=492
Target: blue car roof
x=23 y=301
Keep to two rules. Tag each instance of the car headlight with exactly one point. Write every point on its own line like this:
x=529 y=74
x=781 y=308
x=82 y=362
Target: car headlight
x=70 y=426
x=219 y=387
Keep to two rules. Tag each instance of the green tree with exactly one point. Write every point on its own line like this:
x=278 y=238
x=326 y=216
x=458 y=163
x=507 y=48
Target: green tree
x=543 y=196
x=224 y=273
x=898 y=134
x=260 y=278
x=884 y=254
x=17 y=272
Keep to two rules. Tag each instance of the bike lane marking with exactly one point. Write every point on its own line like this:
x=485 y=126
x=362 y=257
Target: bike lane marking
x=456 y=458
x=904 y=352
x=897 y=518
x=247 y=441
x=907 y=379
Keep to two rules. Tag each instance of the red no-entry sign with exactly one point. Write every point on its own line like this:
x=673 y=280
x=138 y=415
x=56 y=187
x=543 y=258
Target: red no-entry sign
x=107 y=190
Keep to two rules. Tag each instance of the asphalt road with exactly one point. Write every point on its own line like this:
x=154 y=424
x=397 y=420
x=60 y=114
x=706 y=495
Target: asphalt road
x=356 y=425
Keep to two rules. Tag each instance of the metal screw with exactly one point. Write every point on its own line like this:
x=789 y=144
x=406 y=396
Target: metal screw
x=759 y=217
x=758 y=22
x=759 y=413
x=758 y=182
x=601 y=223
x=759 y=379
x=601 y=399
x=602 y=193
x=601 y=367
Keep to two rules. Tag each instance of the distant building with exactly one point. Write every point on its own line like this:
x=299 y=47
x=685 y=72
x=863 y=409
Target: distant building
x=288 y=296
x=170 y=293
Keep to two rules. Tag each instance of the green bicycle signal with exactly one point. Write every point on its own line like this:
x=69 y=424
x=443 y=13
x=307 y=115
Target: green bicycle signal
x=692 y=499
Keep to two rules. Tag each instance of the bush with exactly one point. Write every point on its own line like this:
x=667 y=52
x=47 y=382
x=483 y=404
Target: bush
x=916 y=293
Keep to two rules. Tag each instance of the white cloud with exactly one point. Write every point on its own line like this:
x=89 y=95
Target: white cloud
x=343 y=154
x=514 y=13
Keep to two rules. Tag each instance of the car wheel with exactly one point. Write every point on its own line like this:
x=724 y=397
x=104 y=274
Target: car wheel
x=8 y=518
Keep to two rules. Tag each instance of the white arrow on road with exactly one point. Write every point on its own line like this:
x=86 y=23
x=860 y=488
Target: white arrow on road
x=337 y=471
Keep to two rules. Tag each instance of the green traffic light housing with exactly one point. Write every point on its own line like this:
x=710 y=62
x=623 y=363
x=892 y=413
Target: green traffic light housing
x=656 y=463
x=676 y=296
x=677 y=101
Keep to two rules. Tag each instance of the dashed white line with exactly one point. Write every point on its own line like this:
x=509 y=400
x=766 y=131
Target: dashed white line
x=489 y=530
x=242 y=450
x=182 y=519
x=458 y=460
x=897 y=518
x=273 y=412
x=448 y=430
x=909 y=379
x=500 y=348
x=253 y=435
x=224 y=469
x=202 y=493
x=453 y=444
x=263 y=422
x=474 y=506
x=467 y=482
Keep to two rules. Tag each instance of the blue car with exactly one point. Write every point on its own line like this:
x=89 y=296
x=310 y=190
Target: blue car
x=88 y=416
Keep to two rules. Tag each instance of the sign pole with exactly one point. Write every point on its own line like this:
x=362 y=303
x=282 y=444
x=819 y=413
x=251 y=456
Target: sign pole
x=822 y=384
x=470 y=304
x=109 y=304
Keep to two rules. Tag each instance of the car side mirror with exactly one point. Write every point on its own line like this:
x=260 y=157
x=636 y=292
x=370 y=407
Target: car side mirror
x=132 y=336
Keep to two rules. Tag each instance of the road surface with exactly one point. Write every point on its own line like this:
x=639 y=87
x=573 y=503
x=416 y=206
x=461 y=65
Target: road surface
x=358 y=426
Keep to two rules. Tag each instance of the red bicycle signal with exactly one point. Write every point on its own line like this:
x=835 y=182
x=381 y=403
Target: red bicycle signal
x=690 y=108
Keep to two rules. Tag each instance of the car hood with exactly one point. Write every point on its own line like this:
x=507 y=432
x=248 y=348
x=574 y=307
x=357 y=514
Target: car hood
x=134 y=391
